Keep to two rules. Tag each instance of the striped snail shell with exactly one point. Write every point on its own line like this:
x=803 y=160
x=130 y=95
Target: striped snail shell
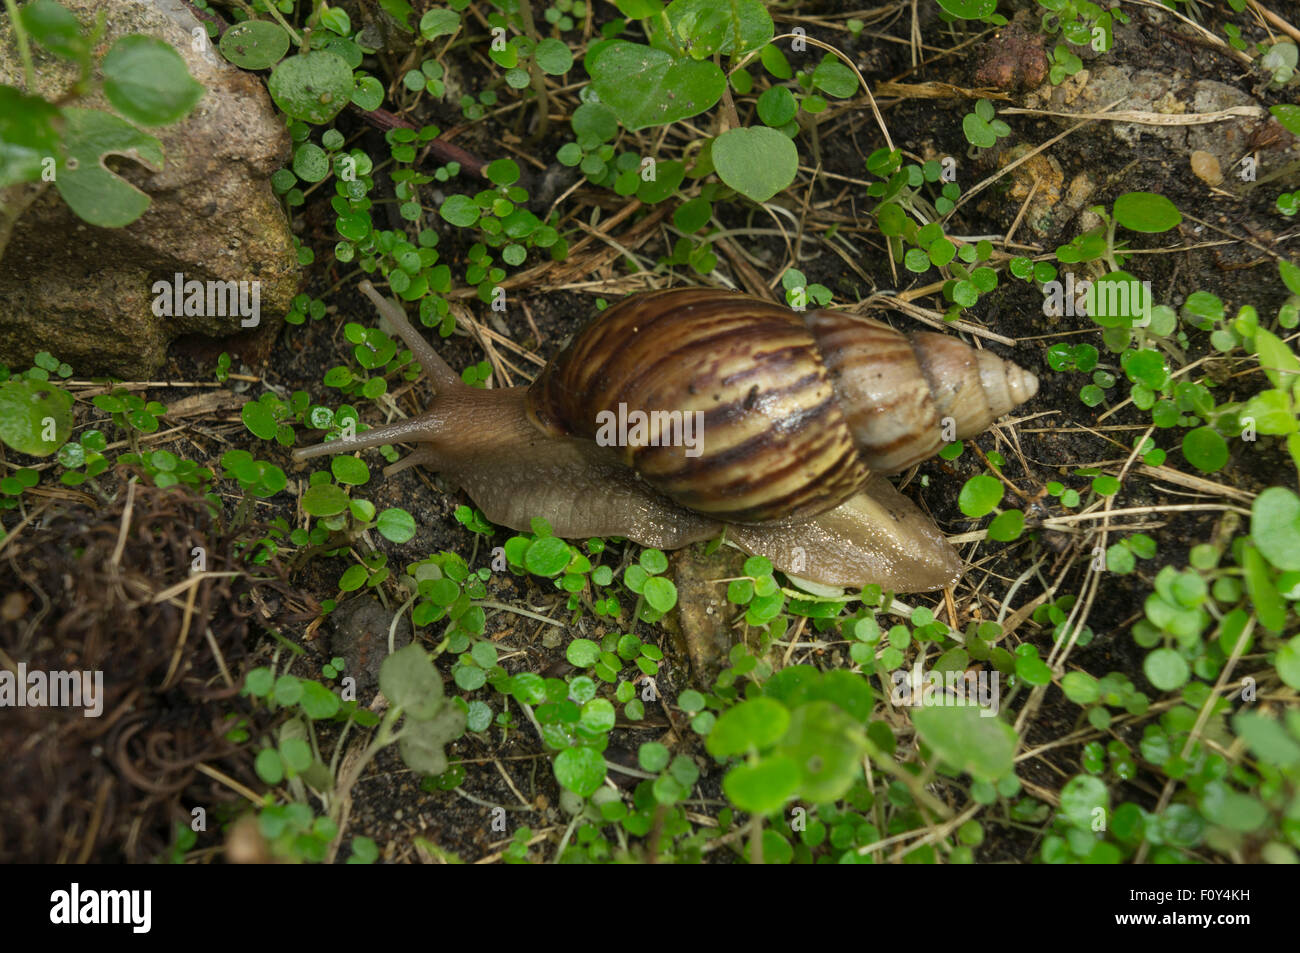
x=797 y=410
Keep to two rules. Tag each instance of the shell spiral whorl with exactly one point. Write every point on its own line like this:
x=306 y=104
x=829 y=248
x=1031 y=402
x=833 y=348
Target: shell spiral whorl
x=896 y=390
x=797 y=410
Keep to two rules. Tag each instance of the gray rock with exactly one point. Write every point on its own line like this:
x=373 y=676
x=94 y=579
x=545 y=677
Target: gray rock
x=1171 y=93
x=360 y=635
x=85 y=293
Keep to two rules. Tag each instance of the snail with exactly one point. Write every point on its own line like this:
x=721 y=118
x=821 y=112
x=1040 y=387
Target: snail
x=777 y=425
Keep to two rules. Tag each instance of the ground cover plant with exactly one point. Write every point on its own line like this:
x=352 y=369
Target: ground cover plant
x=387 y=675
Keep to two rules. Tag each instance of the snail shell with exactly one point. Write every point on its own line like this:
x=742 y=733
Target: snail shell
x=798 y=410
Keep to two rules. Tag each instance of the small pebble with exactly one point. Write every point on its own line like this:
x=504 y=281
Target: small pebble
x=1206 y=167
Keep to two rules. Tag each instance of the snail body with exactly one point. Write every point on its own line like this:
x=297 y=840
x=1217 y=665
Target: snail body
x=799 y=416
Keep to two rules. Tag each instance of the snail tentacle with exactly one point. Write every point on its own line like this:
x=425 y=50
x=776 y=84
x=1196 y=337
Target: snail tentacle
x=414 y=430
x=439 y=371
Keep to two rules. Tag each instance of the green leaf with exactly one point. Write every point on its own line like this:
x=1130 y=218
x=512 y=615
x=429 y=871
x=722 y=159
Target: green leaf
x=503 y=171
x=777 y=106
x=324 y=499
x=691 y=701
x=668 y=176
x=296 y=754
x=963 y=739
x=350 y=470
x=687 y=16
x=336 y=20
x=368 y=93
x=1288 y=115
x=1033 y=670
x=400 y=11
x=1272 y=412
x=1081 y=688
x=653 y=756
x=757 y=723
x=827 y=745
x=547 y=556
x=660 y=593
x=1146 y=212
x=147 y=81
x=409 y=680
x=56 y=28
x=978 y=132
x=459 y=210
x=581 y=770
x=422 y=741
x=310 y=162
x=774 y=62
x=763 y=787
x=312 y=87
x=1081 y=799
x=969 y=9
x=1287 y=662
x=32 y=411
x=980 y=494
x=1267 y=739
x=90 y=189
x=638 y=9
x=594 y=122
x=1007 y=526
x=318 y=701
x=438 y=23
x=27 y=135
x=648 y=87
x=553 y=56
x=1205 y=449
x=597 y=716
x=396 y=525
x=1270 y=609
x=259 y=682
x=1229 y=808
x=582 y=653
x=254 y=44
x=364 y=851
x=757 y=161
x=288 y=689
x=834 y=78
x=268 y=765
x=1277 y=360
x=259 y=419
x=1166 y=669
x=1275 y=527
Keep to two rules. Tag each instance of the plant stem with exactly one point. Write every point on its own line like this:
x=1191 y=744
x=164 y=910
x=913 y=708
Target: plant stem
x=668 y=32
x=534 y=71
x=489 y=604
x=24 y=51
x=729 y=114
x=735 y=26
x=392 y=628
x=275 y=14
x=443 y=150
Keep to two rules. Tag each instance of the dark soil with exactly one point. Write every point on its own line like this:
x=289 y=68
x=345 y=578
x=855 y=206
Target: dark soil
x=1059 y=433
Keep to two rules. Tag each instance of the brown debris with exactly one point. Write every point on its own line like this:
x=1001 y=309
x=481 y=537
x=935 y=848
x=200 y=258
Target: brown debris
x=112 y=592
x=1014 y=60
